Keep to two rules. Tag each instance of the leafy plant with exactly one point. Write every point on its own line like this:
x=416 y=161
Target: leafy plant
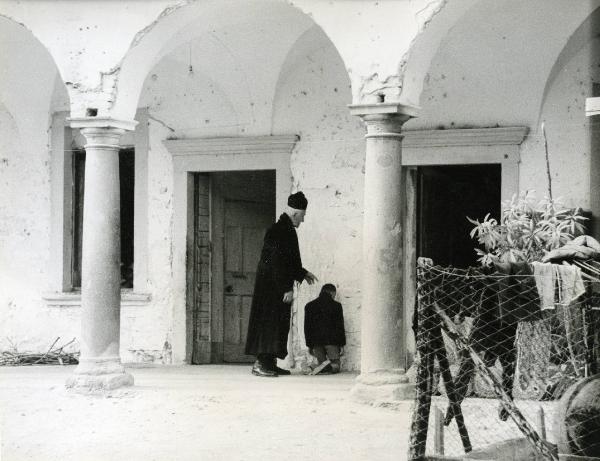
x=527 y=230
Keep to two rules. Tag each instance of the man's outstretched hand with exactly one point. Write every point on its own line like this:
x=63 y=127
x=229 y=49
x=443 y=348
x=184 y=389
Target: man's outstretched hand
x=310 y=278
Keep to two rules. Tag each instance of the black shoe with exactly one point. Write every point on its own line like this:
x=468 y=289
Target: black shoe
x=259 y=370
x=281 y=371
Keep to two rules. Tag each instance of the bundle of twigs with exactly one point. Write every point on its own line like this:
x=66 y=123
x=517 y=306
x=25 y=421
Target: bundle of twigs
x=53 y=356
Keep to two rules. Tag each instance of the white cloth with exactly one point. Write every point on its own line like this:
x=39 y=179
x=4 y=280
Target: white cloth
x=557 y=284
x=545 y=280
x=570 y=283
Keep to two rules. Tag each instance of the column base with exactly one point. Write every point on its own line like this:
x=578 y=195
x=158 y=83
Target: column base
x=383 y=387
x=99 y=375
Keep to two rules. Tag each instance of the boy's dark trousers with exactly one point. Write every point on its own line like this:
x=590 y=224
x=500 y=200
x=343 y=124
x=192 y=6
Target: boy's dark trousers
x=330 y=352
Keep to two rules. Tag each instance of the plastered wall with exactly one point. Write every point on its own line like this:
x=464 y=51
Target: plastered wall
x=469 y=86
x=25 y=321
x=568 y=132
x=327 y=163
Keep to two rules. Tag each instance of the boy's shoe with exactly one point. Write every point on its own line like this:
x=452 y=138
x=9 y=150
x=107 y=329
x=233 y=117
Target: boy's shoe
x=259 y=369
x=322 y=366
x=328 y=370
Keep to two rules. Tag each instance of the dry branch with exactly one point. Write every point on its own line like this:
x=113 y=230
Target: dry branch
x=53 y=356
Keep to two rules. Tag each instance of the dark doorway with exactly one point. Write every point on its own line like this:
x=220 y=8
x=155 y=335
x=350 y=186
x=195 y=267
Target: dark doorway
x=447 y=194
x=232 y=212
x=127 y=193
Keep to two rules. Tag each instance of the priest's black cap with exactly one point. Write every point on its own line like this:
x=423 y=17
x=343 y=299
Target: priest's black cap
x=297 y=201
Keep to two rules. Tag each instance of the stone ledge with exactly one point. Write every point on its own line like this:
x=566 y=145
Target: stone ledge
x=513 y=135
x=73 y=299
x=281 y=144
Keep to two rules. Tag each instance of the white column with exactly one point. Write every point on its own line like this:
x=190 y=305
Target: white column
x=100 y=364
x=382 y=375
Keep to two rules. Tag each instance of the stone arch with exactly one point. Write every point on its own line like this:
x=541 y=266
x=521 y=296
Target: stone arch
x=588 y=30
x=314 y=40
x=426 y=45
x=180 y=25
x=31 y=88
x=487 y=55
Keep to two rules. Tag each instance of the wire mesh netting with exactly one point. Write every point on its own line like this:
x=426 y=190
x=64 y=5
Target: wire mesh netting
x=503 y=358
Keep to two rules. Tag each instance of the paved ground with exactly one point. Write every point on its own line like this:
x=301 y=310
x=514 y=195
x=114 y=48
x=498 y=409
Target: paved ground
x=195 y=413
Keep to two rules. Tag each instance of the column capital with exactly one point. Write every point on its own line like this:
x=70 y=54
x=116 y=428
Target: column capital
x=102 y=133
x=384 y=119
x=102 y=122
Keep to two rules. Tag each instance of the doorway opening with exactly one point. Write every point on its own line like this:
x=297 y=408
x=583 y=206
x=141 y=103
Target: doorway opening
x=231 y=213
x=447 y=195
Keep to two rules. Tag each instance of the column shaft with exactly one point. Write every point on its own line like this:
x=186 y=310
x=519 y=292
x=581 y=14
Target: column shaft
x=101 y=255
x=382 y=375
x=381 y=322
x=100 y=365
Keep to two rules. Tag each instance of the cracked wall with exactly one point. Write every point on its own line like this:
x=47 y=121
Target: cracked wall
x=327 y=164
x=468 y=86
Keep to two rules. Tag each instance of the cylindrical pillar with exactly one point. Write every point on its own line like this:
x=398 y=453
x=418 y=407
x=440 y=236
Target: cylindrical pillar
x=382 y=340
x=100 y=364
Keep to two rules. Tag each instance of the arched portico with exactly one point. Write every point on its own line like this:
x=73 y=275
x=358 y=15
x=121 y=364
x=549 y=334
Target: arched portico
x=235 y=57
x=263 y=68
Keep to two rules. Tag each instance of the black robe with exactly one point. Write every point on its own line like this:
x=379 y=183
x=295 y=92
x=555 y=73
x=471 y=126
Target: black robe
x=324 y=322
x=279 y=266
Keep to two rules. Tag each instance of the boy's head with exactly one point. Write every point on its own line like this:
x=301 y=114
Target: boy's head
x=329 y=289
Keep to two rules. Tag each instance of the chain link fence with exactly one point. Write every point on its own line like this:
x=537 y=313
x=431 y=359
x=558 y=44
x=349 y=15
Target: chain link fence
x=496 y=351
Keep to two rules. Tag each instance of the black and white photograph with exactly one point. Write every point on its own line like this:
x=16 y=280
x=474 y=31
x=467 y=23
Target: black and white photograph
x=303 y=230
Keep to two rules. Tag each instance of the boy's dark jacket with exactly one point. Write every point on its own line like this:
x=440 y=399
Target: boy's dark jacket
x=324 y=322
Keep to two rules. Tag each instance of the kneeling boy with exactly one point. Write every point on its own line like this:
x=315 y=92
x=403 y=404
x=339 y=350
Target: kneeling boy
x=324 y=328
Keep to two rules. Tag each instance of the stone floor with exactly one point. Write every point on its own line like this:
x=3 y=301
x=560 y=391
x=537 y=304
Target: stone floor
x=195 y=413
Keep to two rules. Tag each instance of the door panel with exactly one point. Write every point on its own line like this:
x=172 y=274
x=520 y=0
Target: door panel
x=245 y=226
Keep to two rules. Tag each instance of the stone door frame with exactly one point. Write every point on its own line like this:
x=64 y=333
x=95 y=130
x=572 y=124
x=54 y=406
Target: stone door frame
x=450 y=147
x=205 y=155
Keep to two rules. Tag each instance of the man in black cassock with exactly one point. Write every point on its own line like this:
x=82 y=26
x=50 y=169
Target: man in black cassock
x=279 y=266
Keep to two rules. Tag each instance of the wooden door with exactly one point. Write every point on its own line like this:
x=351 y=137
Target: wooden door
x=245 y=226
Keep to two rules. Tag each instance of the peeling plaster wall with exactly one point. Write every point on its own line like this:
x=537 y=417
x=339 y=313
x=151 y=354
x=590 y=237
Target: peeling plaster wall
x=310 y=100
x=87 y=39
x=29 y=89
x=327 y=164
x=146 y=328
x=25 y=321
x=484 y=76
x=568 y=131
x=189 y=104
x=373 y=37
